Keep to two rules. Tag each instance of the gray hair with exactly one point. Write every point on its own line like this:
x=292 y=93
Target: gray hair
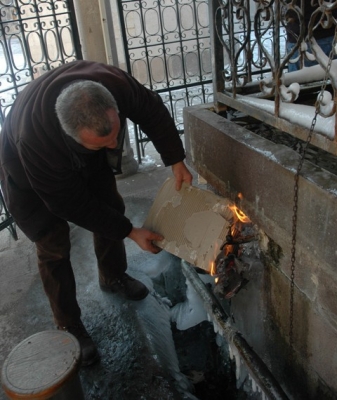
x=84 y=104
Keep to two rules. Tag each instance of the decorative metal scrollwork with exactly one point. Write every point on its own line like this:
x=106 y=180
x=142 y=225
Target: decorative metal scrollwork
x=270 y=45
x=35 y=36
x=168 y=49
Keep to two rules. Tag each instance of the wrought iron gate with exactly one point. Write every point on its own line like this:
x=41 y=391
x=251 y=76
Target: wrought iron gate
x=35 y=36
x=168 y=50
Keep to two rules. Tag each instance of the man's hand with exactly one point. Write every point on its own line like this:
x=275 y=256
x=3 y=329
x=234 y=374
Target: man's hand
x=182 y=174
x=143 y=237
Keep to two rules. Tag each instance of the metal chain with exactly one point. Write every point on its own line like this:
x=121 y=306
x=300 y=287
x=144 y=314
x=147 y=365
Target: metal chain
x=296 y=190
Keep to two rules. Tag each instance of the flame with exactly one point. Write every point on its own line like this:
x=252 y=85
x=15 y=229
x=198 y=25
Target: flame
x=212 y=266
x=241 y=216
x=212 y=269
x=213 y=272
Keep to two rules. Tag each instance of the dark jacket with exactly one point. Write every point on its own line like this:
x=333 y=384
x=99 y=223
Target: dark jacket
x=45 y=173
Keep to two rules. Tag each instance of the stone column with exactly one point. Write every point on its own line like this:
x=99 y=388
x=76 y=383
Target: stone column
x=96 y=31
x=90 y=30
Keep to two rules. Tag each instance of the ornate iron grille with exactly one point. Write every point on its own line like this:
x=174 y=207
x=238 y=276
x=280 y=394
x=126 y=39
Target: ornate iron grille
x=167 y=46
x=35 y=36
x=6 y=220
x=256 y=45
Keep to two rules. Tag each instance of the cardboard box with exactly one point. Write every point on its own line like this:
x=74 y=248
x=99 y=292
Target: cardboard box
x=193 y=221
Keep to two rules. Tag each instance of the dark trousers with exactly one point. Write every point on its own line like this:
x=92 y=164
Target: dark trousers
x=53 y=251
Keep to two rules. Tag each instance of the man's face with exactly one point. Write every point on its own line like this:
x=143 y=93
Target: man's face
x=90 y=141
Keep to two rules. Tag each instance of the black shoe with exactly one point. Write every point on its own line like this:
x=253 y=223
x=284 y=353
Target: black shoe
x=131 y=288
x=88 y=349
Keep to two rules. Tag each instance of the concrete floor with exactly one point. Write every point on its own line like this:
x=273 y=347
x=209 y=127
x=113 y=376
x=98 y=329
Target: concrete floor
x=128 y=369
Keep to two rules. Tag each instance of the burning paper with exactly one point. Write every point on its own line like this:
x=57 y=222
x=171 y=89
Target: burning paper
x=193 y=221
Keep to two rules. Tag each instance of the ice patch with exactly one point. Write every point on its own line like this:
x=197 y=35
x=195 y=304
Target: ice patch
x=333 y=191
x=154 y=316
x=153 y=269
x=148 y=164
x=191 y=312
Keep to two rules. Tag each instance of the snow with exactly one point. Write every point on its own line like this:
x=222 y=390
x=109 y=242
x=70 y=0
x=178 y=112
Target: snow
x=268 y=154
x=234 y=355
x=148 y=164
x=290 y=94
x=295 y=113
x=154 y=316
x=290 y=89
x=153 y=269
x=326 y=104
x=308 y=74
x=190 y=312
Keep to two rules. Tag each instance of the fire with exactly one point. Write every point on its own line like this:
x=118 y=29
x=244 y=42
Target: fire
x=213 y=271
x=212 y=266
x=226 y=268
x=231 y=246
x=241 y=216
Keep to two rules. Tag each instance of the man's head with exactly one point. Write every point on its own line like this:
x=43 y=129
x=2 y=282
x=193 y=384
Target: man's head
x=88 y=113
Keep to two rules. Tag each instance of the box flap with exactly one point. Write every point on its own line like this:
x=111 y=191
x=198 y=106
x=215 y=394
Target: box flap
x=193 y=221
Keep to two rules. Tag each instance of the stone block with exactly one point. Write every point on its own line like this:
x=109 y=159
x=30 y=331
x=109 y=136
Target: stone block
x=234 y=160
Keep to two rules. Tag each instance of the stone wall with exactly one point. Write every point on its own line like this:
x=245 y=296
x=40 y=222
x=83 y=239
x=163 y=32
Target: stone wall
x=232 y=160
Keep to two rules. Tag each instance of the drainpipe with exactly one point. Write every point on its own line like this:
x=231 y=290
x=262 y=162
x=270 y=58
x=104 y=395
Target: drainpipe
x=256 y=367
x=97 y=37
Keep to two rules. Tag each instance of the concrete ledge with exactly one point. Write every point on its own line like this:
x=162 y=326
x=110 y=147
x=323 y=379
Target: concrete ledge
x=234 y=160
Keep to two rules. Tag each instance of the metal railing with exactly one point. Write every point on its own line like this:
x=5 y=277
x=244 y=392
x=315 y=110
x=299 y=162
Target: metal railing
x=167 y=45
x=255 y=42
x=35 y=36
x=6 y=220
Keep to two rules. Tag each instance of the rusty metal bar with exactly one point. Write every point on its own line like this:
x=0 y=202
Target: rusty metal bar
x=256 y=367
x=262 y=41
x=218 y=52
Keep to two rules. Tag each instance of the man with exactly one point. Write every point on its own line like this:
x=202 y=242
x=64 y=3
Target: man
x=54 y=147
